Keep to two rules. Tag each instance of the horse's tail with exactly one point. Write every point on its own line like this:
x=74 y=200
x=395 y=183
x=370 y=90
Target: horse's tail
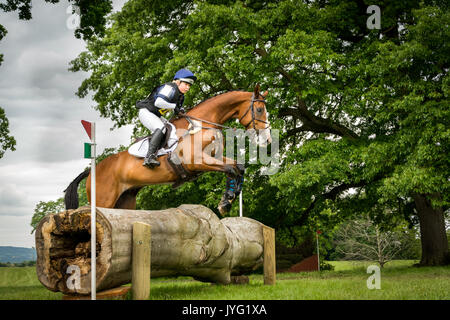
x=71 y=193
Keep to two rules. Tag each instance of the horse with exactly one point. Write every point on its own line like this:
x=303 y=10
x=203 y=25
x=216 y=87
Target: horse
x=120 y=176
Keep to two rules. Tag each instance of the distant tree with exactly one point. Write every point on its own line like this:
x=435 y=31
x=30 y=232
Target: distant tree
x=362 y=239
x=43 y=208
x=6 y=141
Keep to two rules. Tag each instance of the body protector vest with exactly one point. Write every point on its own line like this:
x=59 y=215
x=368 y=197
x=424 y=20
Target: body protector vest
x=169 y=92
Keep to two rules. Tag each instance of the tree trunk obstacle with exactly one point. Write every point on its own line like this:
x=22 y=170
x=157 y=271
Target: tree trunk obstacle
x=189 y=240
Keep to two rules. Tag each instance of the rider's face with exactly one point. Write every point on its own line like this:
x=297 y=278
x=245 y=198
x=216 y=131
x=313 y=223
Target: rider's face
x=184 y=87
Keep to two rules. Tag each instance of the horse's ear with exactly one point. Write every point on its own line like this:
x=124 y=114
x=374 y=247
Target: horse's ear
x=256 y=90
x=265 y=94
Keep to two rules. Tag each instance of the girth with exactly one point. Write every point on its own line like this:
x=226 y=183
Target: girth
x=183 y=174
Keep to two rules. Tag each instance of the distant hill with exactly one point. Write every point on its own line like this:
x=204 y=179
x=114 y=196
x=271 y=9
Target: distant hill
x=16 y=254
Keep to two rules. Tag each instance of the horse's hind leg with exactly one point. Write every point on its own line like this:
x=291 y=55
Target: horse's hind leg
x=106 y=197
x=127 y=199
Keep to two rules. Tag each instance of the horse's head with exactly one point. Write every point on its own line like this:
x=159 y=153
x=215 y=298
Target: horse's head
x=253 y=115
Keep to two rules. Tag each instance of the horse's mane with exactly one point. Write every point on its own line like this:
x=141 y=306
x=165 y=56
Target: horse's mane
x=215 y=96
x=208 y=100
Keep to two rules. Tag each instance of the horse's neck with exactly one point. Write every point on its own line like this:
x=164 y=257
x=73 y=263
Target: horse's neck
x=220 y=108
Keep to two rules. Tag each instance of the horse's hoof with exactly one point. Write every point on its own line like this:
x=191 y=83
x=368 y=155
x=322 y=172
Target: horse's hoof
x=224 y=208
x=221 y=211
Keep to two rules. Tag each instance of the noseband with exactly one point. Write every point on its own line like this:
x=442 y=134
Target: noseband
x=252 y=108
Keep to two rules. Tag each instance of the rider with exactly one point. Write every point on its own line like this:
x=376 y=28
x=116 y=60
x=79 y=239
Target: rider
x=166 y=97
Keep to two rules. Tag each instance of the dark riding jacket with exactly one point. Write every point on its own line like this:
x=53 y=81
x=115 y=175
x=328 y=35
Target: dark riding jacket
x=169 y=92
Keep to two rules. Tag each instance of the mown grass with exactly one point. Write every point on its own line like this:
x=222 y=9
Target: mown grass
x=21 y=283
x=399 y=281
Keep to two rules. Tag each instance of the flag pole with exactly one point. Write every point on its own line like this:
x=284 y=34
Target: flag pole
x=240 y=203
x=93 y=219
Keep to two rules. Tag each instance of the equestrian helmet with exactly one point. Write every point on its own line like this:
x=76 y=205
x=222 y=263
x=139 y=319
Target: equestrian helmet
x=185 y=75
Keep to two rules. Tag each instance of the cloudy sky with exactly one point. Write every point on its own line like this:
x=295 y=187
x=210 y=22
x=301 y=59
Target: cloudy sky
x=38 y=95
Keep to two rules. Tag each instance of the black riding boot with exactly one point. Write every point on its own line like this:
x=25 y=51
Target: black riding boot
x=153 y=146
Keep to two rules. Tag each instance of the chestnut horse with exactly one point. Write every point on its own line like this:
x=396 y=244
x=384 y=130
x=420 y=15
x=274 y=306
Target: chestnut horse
x=119 y=177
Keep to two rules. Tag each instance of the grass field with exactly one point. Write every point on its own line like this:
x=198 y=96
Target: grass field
x=399 y=281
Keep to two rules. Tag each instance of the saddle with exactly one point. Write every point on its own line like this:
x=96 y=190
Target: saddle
x=172 y=159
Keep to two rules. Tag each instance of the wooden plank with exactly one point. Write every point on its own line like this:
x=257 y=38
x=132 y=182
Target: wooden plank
x=141 y=258
x=119 y=293
x=269 y=256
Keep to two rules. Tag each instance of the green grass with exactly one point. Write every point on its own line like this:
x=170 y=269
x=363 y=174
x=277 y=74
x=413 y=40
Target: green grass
x=399 y=281
x=21 y=283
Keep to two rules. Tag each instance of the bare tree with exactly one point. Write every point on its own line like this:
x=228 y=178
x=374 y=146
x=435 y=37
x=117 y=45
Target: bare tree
x=361 y=239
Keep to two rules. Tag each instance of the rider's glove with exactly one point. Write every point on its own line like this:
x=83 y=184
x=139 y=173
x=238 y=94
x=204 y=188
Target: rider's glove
x=179 y=109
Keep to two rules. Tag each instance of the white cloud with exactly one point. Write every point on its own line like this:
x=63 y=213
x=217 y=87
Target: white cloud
x=16 y=232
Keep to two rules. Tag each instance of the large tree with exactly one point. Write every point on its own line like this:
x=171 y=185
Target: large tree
x=364 y=113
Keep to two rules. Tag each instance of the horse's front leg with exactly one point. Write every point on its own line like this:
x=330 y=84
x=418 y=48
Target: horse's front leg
x=235 y=177
x=233 y=189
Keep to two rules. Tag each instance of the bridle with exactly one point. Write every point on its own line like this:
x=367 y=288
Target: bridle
x=252 y=108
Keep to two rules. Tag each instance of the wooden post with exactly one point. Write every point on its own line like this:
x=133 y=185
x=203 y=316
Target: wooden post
x=269 y=256
x=141 y=258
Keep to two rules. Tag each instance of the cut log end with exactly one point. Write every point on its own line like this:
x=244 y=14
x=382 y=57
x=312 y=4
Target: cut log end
x=65 y=241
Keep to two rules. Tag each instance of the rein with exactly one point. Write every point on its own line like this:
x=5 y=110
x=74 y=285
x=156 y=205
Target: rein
x=209 y=122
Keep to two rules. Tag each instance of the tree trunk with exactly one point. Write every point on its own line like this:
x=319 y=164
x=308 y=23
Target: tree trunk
x=189 y=240
x=432 y=232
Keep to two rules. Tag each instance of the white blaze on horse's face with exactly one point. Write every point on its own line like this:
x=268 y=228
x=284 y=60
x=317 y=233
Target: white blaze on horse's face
x=264 y=137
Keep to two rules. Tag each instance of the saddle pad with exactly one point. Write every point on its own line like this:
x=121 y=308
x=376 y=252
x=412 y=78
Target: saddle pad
x=139 y=149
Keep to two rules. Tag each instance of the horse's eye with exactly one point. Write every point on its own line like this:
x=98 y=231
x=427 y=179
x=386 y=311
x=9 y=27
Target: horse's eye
x=259 y=109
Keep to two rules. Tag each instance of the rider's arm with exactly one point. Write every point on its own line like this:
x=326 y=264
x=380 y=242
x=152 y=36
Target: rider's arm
x=164 y=95
x=163 y=104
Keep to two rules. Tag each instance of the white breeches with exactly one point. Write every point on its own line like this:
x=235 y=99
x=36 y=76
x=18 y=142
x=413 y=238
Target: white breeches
x=150 y=120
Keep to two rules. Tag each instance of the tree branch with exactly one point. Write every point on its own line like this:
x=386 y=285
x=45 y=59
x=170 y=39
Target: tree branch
x=330 y=195
x=315 y=123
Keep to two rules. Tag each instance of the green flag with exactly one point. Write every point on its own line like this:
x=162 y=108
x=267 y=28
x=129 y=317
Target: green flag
x=87 y=150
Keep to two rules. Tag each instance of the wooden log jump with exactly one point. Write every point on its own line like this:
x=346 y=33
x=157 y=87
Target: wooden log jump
x=189 y=240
